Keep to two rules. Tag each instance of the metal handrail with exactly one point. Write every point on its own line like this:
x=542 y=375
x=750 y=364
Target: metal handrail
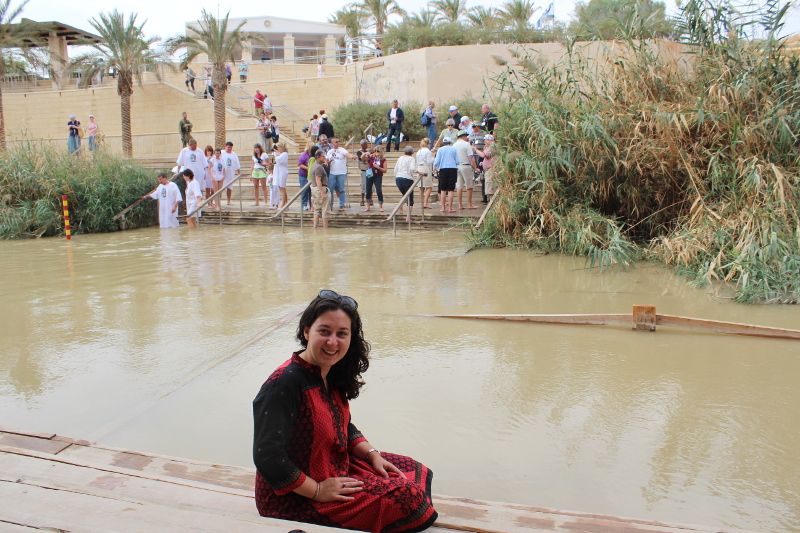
x=219 y=192
x=290 y=202
x=403 y=200
x=368 y=129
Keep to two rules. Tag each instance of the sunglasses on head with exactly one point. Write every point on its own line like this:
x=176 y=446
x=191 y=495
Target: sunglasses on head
x=344 y=300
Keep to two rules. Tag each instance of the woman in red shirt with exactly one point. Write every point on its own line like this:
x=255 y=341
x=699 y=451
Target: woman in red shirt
x=313 y=465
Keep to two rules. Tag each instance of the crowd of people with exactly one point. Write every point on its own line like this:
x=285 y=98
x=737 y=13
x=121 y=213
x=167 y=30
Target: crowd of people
x=453 y=160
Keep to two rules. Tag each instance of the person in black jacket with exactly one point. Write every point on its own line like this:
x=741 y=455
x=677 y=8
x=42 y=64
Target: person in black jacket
x=326 y=128
x=395 y=117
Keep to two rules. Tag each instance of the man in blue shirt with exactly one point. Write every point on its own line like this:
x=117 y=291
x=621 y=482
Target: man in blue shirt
x=446 y=163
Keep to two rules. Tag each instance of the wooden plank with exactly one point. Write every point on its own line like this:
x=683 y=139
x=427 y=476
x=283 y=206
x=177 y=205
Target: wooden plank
x=580 y=319
x=644 y=317
x=699 y=324
x=38 y=434
x=730 y=328
x=219 y=475
x=57 y=459
x=63 y=510
x=496 y=517
x=32 y=443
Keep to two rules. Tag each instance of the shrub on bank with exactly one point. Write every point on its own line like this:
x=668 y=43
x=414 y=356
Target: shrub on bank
x=33 y=177
x=632 y=155
x=350 y=120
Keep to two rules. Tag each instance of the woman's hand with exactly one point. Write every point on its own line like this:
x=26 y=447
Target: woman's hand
x=381 y=466
x=338 y=489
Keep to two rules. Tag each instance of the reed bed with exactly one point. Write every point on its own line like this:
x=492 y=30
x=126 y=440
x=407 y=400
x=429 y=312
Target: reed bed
x=34 y=176
x=687 y=154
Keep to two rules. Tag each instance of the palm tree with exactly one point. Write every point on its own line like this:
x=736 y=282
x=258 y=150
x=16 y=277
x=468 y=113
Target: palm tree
x=423 y=19
x=17 y=45
x=353 y=21
x=480 y=16
x=377 y=12
x=449 y=10
x=213 y=38
x=125 y=49
x=517 y=13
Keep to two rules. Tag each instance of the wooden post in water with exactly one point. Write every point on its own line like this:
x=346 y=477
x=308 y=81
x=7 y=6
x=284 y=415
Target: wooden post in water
x=644 y=318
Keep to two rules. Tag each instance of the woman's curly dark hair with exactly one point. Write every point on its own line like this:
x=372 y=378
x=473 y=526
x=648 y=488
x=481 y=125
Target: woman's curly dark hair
x=345 y=375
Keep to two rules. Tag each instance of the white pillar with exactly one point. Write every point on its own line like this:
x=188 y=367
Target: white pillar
x=288 y=48
x=330 y=49
x=58 y=57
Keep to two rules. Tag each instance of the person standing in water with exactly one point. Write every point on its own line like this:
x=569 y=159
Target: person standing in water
x=169 y=196
x=194 y=197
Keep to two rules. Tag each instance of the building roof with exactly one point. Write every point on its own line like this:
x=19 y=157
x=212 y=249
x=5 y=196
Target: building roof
x=72 y=35
x=269 y=24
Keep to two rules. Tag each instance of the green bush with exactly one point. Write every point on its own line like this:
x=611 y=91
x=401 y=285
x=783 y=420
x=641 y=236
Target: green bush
x=350 y=120
x=34 y=176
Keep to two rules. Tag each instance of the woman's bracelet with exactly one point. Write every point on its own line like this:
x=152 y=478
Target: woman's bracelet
x=316 y=493
x=369 y=452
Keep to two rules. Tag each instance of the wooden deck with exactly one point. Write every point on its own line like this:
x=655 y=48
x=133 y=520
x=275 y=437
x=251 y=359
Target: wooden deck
x=54 y=483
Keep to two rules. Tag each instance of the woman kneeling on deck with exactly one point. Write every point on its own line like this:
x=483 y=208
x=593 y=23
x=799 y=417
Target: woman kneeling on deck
x=313 y=464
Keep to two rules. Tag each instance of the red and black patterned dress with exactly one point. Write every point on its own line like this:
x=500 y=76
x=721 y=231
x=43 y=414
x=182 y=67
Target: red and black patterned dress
x=301 y=430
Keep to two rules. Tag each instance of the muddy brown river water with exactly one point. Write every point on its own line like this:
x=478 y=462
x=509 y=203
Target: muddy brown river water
x=115 y=337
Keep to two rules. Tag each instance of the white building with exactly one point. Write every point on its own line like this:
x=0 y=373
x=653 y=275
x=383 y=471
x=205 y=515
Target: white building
x=290 y=40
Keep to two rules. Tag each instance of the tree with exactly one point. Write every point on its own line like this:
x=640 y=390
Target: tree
x=213 y=38
x=423 y=19
x=449 y=10
x=480 y=16
x=517 y=14
x=353 y=21
x=612 y=19
x=17 y=47
x=125 y=49
x=378 y=11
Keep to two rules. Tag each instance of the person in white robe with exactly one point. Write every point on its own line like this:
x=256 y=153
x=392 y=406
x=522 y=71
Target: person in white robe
x=232 y=165
x=194 y=197
x=169 y=196
x=193 y=158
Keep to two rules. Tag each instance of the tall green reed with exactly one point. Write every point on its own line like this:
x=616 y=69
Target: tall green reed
x=34 y=176
x=686 y=153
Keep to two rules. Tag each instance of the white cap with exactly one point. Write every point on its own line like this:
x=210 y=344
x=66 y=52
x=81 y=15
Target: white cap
x=324 y=116
x=91 y=116
x=464 y=118
x=447 y=140
x=453 y=108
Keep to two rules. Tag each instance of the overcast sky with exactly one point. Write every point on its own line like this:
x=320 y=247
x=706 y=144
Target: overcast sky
x=165 y=19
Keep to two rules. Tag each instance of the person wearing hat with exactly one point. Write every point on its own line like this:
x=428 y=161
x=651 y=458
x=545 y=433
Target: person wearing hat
x=489 y=159
x=454 y=114
x=395 y=117
x=446 y=164
x=74 y=139
x=92 y=129
x=465 y=124
x=325 y=127
x=466 y=169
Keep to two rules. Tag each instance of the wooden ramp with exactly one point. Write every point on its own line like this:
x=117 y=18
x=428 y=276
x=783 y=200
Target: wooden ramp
x=54 y=483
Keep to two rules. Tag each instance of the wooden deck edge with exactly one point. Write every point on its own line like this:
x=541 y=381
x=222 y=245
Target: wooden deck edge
x=26 y=433
x=125 y=471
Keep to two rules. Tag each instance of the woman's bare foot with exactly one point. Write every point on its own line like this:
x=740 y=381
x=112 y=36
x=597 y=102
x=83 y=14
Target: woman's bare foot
x=365 y=210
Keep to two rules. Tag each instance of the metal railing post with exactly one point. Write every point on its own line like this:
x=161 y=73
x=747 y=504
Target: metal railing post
x=241 y=205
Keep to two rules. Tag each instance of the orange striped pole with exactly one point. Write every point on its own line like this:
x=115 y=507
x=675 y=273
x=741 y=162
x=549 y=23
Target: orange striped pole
x=66 y=217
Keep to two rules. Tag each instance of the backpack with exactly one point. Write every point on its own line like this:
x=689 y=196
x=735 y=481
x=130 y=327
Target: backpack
x=425 y=120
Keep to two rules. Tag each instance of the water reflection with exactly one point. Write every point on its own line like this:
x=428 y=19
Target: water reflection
x=100 y=335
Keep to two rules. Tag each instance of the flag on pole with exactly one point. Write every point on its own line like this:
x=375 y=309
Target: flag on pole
x=548 y=14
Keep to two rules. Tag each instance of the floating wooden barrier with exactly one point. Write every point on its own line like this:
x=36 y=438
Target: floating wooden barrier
x=54 y=483
x=645 y=318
